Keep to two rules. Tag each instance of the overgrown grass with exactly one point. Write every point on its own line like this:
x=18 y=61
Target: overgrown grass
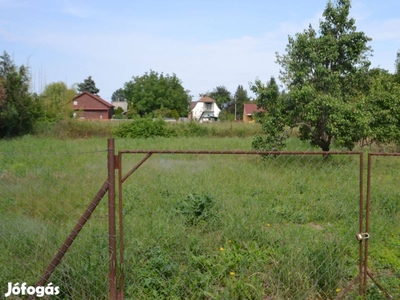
x=196 y=226
x=142 y=128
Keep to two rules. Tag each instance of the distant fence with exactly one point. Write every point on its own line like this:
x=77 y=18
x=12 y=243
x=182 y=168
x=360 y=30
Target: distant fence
x=202 y=224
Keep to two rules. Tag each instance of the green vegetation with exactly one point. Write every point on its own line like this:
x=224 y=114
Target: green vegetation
x=146 y=128
x=19 y=109
x=56 y=102
x=197 y=226
x=154 y=91
x=88 y=85
x=331 y=94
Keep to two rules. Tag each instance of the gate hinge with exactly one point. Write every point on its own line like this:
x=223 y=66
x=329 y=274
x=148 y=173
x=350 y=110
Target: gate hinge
x=362 y=236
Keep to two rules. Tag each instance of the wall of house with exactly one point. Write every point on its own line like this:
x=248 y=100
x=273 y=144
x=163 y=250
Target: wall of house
x=85 y=101
x=201 y=107
x=247 y=119
x=98 y=115
x=87 y=107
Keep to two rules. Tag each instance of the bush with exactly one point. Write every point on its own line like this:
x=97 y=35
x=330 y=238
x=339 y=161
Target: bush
x=197 y=208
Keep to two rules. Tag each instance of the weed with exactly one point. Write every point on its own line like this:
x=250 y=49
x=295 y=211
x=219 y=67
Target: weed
x=196 y=208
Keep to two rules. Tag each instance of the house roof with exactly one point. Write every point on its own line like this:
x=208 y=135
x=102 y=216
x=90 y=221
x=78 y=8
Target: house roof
x=192 y=104
x=206 y=99
x=250 y=108
x=95 y=97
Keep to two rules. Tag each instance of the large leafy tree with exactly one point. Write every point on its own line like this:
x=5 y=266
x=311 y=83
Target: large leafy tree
x=19 y=109
x=153 y=91
x=56 y=101
x=88 y=85
x=325 y=74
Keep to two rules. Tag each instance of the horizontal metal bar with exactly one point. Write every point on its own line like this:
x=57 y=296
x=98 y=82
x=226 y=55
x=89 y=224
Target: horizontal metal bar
x=241 y=152
x=383 y=154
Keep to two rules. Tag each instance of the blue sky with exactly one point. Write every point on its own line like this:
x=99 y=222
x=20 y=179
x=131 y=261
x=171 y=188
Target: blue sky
x=205 y=43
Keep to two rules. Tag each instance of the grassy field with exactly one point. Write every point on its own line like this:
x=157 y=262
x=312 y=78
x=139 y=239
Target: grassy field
x=197 y=226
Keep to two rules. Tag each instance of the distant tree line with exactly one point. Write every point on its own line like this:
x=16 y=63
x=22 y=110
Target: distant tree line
x=329 y=94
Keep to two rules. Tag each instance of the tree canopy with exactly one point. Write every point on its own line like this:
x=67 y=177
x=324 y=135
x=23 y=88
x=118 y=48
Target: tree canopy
x=19 y=109
x=56 y=101
x=88 y=85
x=397 y=67
x=118 y=96
x=325 y=74
x=153 y=91
x=383 y=108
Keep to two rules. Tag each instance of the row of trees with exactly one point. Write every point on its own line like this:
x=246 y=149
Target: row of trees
x=164 y=95
x=331 y=95
x=20 y=109
x=151 y=94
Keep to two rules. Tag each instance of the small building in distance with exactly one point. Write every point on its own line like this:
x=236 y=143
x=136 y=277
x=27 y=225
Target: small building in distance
x=91 y=106
x=204 y=110
x=248 y=112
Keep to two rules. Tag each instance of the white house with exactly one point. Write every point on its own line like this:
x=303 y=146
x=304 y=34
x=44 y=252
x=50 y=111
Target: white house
x=204 y=110
x=122 y=104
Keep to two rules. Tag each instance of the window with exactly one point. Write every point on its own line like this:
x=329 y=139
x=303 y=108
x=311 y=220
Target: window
x=208 y=106
x=75 y=102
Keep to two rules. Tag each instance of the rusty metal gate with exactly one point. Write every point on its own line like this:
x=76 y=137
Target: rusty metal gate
x=117 y=176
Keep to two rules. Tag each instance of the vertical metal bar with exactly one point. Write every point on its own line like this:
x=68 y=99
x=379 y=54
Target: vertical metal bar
x=361 y=220
x=121 y=231
x=367 y=217
x=111 y=220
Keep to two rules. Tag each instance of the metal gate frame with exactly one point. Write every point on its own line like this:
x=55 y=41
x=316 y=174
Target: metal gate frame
x=114 y=162
x=362 y=269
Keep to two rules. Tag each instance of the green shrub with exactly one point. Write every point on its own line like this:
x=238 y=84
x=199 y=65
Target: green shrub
x=197 y=208
x=143 y=128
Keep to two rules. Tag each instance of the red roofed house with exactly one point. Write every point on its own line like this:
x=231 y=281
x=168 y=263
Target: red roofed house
x=248 y=112
x=91 y=106
x=204 y=110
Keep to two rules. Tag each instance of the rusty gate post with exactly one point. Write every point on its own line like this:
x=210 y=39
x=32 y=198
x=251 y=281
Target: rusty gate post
x=111 y=220
x=121 y=230
x=361 y=225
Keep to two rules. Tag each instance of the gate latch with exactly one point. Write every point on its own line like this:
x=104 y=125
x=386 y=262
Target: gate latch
x=362 y=236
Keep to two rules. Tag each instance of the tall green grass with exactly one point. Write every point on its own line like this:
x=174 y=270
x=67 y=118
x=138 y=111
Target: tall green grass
x=196 y=226
x=141 y=128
